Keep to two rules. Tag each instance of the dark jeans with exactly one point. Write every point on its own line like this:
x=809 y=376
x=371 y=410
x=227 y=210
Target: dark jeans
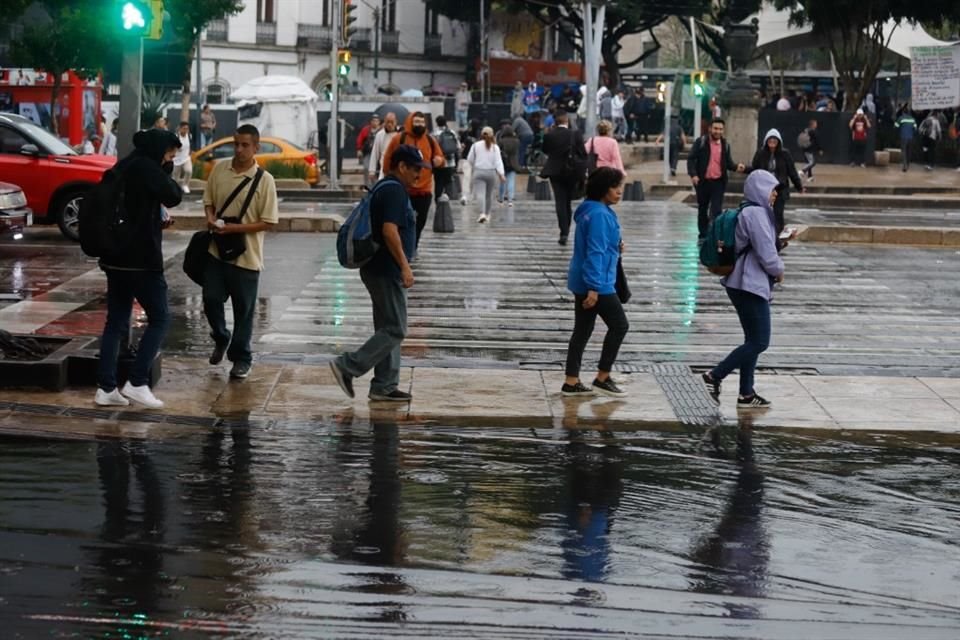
x=905 y=147
x=421 y=204
x=442 y=181
x=525 y=142
x=381 y=352
x=562 y=196
x=778 y=208
x=608 y=307
x=149 y=288
x=754 y=314
x=811 y=162
x=221 y=281
x=709 y=203
x=858 y=152
x=929 y=151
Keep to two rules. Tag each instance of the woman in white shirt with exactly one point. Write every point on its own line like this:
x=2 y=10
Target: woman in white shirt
x=486 y=167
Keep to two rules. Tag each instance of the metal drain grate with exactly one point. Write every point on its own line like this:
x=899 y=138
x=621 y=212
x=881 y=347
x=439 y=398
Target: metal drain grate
x=687 y=395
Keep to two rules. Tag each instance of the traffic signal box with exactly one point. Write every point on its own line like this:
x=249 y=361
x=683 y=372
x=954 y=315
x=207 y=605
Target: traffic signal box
x=343 y=63
x=698 y=79
x=346 y=22
x=142 y=18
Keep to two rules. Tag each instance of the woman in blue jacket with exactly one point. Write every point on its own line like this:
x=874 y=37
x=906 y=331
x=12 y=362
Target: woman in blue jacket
x=592 y=279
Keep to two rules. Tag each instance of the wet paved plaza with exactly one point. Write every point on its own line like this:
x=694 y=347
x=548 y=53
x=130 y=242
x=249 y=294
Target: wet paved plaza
x=357 y=525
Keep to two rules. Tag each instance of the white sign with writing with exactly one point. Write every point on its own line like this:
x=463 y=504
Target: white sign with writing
x=935 y=76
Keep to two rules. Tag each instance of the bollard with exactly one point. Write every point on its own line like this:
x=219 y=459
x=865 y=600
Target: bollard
x=531 y=184
x=443 y=216
x=544 y=192
x=634 y=192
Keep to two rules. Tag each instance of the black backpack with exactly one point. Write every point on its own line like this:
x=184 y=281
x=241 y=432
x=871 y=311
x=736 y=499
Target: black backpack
x=106 y=229
x=449 y=144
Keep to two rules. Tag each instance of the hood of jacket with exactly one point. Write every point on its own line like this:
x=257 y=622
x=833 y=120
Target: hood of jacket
x=773 y=133
x=153 y=143
x=758 y=187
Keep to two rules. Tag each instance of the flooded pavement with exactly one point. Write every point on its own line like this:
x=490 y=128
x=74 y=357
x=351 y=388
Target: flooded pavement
x=370 y=530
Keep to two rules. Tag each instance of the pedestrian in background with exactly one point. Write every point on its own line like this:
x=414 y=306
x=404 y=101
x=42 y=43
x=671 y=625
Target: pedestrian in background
x=516 y=101
x=450 y=146
x=365 y=146
x=109 y=146
x=525 y=135
x=462 y=102
x=421 y=191
x=773 y=157
x=678 y=140
x=606 y=148
x=137 y=274
x=708 y=164
x=486 y=167
x=930 y=133
x=810 y=146
x=565 y=167
x=619 y=119
x=859 y=127
x=510 y=154
x=380 y=142
x=592 y=279
x=182 y=164
x=907 y=126
x=749 y=288
x=387 y=276
x=208 y=125
x=251 y=212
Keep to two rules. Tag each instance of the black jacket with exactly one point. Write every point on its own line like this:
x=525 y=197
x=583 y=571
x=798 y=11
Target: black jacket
x=559 y=144
x=786 y=170
x=699 y=159
x=147 y=185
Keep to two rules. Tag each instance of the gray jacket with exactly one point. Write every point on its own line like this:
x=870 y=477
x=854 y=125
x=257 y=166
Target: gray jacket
x=760 y=264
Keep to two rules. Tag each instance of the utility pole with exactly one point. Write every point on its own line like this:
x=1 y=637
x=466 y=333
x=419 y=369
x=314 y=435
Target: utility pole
x=199 y=88
x=592 y=41
x=698 y=105
x=668 y=99
x=333 y=139
x=131 y=93
x=483 y=61
x=376 y=45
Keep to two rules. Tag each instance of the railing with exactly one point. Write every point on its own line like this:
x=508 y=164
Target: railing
x=266 y=33
x=314 y=36
x=433 y=46
x=362 y=39
x=217 y=30
x=390 y=42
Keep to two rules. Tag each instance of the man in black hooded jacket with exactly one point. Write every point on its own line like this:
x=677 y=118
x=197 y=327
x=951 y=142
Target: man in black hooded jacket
x=137 y=272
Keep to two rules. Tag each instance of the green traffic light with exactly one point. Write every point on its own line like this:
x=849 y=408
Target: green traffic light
x=697 y=90
x=343 y=69
x=132 y=17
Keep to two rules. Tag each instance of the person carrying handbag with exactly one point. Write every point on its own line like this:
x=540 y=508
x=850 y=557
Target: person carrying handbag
x=237 y=228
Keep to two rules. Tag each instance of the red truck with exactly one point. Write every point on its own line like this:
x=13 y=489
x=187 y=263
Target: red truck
x=52 y=175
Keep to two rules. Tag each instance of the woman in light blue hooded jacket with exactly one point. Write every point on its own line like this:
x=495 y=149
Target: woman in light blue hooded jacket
x=750 y=287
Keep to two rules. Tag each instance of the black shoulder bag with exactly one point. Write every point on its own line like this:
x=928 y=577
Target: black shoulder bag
x=231 y=246
x=196 y=256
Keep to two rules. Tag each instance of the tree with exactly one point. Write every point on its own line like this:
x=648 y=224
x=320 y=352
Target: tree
x=719 y=14
x=188 y=19
x=857 y=33
x=73 y=40
x=625 y=18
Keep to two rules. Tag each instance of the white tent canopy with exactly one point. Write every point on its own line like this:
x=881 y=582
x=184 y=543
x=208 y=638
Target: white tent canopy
x=274 y=89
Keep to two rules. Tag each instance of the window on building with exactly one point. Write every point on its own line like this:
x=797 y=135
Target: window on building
x=431 y=22
x=266 y=10
x=388 y=13
x=216 y=93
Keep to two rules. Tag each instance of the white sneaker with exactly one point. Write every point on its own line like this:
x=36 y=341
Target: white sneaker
x=142 y=395
x=186 y=189
x=510 y=204
x=482 y=218
x=463 y=200
x=112 y=399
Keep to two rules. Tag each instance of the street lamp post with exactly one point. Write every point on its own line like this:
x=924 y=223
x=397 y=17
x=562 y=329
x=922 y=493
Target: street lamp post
x=333 y=139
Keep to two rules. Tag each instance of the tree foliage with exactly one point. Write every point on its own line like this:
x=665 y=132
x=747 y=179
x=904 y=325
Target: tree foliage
x=73 y=39
x=623 y=18
x=856 y=33
x=719 y=14
x=188 y=19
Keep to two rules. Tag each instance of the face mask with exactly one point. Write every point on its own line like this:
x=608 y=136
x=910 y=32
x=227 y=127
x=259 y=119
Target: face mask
x=419 y=130
x=167 y=167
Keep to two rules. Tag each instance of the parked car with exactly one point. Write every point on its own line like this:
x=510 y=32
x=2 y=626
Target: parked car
x=52 y=175
x=14 y=213
x=271 y=150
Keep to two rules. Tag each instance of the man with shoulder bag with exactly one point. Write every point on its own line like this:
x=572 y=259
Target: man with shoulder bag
x=240 y=203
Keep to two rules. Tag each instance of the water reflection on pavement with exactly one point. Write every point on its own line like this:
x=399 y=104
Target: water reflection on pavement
x=359 y=530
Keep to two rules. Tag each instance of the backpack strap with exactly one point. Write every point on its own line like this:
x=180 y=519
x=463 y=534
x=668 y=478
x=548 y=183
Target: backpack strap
x=250 y=193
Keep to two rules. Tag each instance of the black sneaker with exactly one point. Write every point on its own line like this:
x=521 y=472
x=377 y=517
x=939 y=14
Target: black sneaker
x=394 y=396
x=344 y=379
x=240 y=370
x=562 y=241
x=753 y=402
x=216 y=357
x=713 y=386
x=608 y=388
x=573 y=390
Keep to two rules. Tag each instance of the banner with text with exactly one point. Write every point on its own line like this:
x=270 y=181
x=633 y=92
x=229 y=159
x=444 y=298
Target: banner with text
x=935 y=76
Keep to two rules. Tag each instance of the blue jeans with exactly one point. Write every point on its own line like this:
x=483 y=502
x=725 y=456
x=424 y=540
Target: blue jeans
x=462 y=119
x=754 y=314
x=221 y=281
x=149 y=288
x=381 y=352
x=509 y=188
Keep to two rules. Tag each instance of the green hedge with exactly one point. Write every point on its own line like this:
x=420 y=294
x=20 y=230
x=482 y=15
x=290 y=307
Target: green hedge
x=287 y=170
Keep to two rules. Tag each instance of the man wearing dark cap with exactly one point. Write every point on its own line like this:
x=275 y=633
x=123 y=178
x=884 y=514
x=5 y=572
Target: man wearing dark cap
x=136 y=272
x=387 y=276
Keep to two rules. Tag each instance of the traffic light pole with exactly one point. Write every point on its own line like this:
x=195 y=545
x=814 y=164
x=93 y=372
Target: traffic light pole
x=333 y=136
x=667 y=103
x=131 y=87
x=698 y=103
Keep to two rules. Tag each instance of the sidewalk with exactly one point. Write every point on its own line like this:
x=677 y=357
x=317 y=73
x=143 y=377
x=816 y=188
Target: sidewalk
x=198 y=395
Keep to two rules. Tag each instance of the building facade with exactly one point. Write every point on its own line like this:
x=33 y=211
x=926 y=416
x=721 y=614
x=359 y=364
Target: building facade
x=400 y=43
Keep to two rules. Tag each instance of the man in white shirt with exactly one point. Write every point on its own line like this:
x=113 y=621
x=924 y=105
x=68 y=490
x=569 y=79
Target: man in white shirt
x=380 y=143
x=182 y=165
